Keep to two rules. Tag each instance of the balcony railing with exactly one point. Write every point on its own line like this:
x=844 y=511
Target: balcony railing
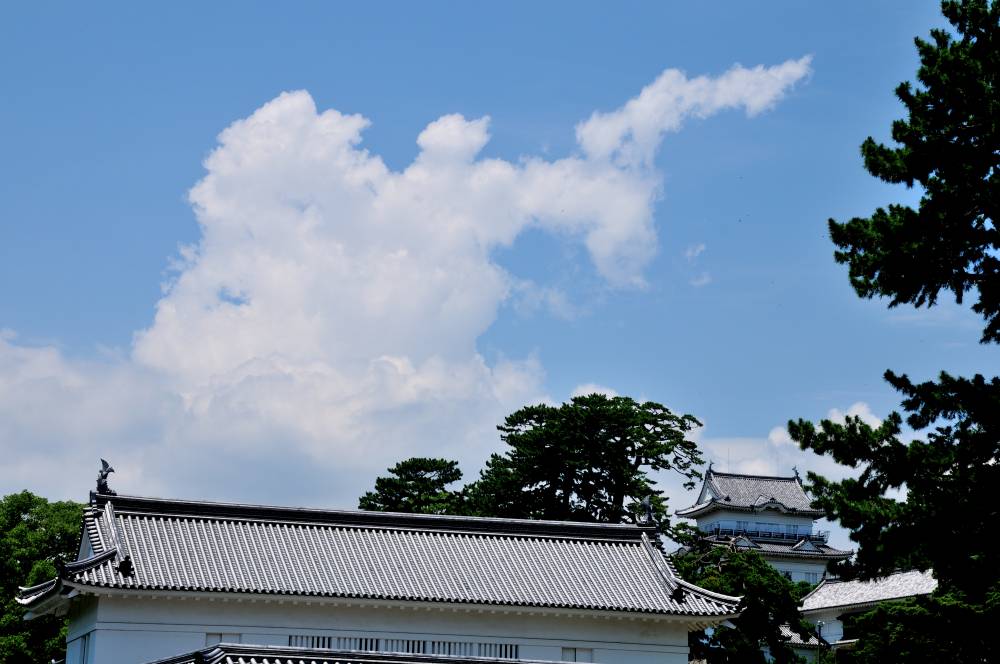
x=756 y=533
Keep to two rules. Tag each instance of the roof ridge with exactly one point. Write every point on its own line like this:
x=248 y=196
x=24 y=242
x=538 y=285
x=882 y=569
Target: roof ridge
x=370 y=519
x=664 y=570
x=793 y=478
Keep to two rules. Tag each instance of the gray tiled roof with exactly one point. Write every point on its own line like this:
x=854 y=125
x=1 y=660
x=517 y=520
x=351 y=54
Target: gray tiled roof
x=835 y=593
x=789 y=549
x=226 y=653
x=751 y=492
x=212 y=547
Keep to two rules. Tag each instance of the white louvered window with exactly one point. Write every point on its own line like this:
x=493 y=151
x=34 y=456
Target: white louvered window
x=498 y=650
x=357 y=643
x=310 y=641
x=577 y=654
x=410 y=646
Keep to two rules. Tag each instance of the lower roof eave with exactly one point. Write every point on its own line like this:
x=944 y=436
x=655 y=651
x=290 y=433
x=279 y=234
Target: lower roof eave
x=413 y=605
x=716 y=506
x=804 y=556
x=792 y=555
x=852 y=607
x=54 y=601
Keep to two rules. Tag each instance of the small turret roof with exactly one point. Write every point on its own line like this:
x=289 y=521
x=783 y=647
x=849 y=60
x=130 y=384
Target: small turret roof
x=751 y=493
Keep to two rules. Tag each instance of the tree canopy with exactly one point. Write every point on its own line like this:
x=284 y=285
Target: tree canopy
x=416 y=485
x=33 y=533
x=585 y=460
x=924 y=503
x=769 y=602
x=948 y=146
x=590 y=459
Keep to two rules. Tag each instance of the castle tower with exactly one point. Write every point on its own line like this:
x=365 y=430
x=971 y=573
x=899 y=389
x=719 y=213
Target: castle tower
x=771 y=515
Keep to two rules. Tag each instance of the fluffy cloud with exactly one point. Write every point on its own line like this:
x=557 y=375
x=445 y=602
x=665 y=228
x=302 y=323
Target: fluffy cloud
x=325 y=324
x=857 y=409
x=592 y=388
x=631 y=134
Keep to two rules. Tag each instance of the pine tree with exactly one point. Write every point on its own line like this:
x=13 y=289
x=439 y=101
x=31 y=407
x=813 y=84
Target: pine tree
x=949 y=146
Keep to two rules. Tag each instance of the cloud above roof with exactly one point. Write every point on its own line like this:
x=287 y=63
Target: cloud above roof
x=325 y=324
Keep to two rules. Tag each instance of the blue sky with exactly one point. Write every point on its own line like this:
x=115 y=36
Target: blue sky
x=741 y=318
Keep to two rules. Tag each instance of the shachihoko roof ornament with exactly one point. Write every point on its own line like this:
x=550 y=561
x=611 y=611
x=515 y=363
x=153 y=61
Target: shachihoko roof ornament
x=102 y=479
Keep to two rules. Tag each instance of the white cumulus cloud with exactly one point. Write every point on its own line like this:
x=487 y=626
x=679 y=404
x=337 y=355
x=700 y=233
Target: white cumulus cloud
x=857 y=409
x=631 y=134
x=325 y=324
x=586 y=389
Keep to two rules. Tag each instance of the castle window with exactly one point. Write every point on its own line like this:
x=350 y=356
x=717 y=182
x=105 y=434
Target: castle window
x=213 y=638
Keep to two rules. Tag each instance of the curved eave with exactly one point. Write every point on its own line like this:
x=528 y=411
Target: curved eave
x=32 y=595
x=730 y=604
x=50 y=597
x=718 y=505
x=81 y=566
x=836 y=554
x=842 y=555
x=45 y=597
x=732 y=600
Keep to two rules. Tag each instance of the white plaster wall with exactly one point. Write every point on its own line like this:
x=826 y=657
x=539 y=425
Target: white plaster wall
x=797 y=568
x=767 y=516
x=132 y=631
x=82 y=621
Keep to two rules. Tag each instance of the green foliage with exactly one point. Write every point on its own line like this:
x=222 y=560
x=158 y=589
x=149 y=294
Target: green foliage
x=927 y=503
x=950 y=479
x=936 y=628
x=585 y=460
x=416 y=485
x=948 y=145
x=33 y=532
x=769 y=601
x=589 y=460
